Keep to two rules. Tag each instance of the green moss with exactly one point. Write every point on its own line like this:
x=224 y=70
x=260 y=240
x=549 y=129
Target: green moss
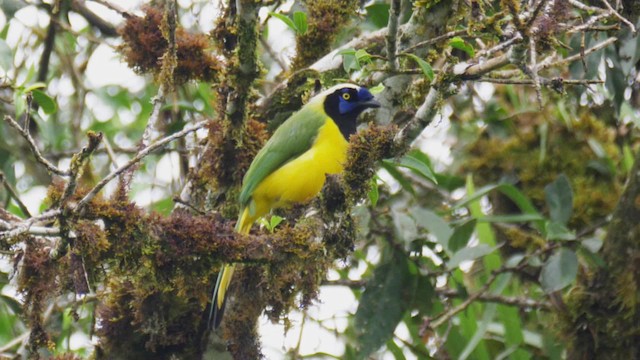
x=224 y=163
x=366 y=148
x=568 y=151
x=288 y=99
x=325 y=20
x=144 y=44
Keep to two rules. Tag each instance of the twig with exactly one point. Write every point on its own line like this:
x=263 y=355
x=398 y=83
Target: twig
x=44 y=231
x=584 y=7
x=484 y=67
x=49 y=41
x=434 y=40
x=392 y=34
x=620 y=17
x=86 y=35
x=15 y=341
x=506 y=300
x=423 y=116
x=14 y=194
x=542 y=81
x=106 y=28
x=113 y=7
x=157 y=102
x=592 y=20
x=25 y=134
x=26 y=225
x=141 y=155
x=272 y=54
x=178 y=200
x=169 y=63
x=110 y=153
x=575 y=57
x=533 y=70
x=128 y=150
x=77 y=164
x=446 y=316
x=503 y=45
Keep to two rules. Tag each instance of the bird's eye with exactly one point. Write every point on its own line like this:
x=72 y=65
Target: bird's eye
x=346 y=96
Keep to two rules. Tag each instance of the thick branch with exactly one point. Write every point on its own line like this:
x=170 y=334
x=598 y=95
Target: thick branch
x=392 y=34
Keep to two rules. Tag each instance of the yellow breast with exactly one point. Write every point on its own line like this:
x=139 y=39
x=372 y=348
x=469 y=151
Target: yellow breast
x=302 y=178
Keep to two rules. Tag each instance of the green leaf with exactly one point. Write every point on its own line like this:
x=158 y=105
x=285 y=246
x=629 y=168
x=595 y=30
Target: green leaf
x=47 y=103
x=511 y=218
x=458 y=43
x=405 y=225
x=423 y=297
x=383 y=303
x=35 y=86
x=558 y=231
x=597 y=148
x=390 y=167
x=395 y=350
x=469 y=253
x=592 y=259
x=427 y=70
x=559 y=197
x=12 y=304
x=593 y=244
x=559 y=271
x=378 y=14
x=603 y=166
x=461 y=235
x=362 y=56
x=6 y=56
x=435 y=224
x=349 y=60
x=163 y=206
x=511 y=192
x=349 y=51
x=272 y=223
x=417 y=164
x=285 y=19
x=374 y=194
x=376 y=89
x=300 y=22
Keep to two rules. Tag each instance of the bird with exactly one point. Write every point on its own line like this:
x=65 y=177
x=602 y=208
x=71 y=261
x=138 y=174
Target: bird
x=291 y=167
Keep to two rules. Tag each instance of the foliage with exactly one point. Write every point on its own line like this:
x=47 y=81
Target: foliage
x=488 y=210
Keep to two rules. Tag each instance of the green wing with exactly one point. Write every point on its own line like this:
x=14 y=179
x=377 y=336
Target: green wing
x=291 y=139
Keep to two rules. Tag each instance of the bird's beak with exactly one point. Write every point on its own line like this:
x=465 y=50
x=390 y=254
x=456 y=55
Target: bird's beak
x=372 y=103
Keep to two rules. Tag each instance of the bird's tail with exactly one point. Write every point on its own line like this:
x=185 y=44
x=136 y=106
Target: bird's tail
x=219 y=298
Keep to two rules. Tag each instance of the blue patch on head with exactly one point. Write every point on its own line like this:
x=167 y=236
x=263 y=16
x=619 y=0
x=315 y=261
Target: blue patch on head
x=345 y=106
x=364 y=94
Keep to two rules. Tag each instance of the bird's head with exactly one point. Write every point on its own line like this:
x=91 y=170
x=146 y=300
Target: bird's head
x=344 y=102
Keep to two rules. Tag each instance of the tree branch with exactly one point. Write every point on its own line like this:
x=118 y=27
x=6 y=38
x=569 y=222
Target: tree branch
x=14 y=194
x=141 y=155
x=34 y=148
x=392 y=34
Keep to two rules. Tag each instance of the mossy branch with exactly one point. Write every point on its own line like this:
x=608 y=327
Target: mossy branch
x=603 y=311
